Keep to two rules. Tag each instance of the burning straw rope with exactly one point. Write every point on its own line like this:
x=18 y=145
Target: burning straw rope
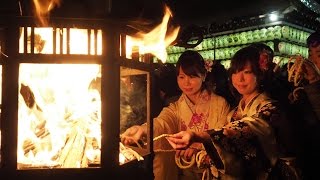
x=129 y=153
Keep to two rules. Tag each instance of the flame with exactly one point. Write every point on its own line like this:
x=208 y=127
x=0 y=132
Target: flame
x=58 y=105
x=78 y=41
x=59 y=117
x=43 y=7
x=64 y=118
x=63 y=109
x=155 y=41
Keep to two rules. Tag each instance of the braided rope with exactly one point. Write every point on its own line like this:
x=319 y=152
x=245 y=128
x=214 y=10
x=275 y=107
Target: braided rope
x=294 y=75
x=181 y=162
x=295 y=69
x=161 y=136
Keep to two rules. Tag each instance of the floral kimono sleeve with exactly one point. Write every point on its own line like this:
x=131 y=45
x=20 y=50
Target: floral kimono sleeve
x=244 y=138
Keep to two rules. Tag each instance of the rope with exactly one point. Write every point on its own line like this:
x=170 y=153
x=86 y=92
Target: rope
x=295 y=69
x=197 y=159
x=294 y=75
x=161 y=136
x=129 y=153
x=183 y=163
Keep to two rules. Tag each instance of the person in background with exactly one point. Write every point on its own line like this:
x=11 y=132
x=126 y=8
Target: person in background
x=220 y=79
x=308 y=106
x=197 y=109
x=165 y=80
x=312 y=73
x=276 y=82
x=245 y=148
x=277 y=87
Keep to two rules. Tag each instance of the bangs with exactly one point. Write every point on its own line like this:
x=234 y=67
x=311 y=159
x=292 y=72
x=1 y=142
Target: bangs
x=247 y=55
x=190 y=69
x=191 y=63
x=238 y=64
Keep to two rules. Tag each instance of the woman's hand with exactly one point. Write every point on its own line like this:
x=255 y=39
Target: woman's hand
x=181 y=140
x=187 y=153
x=133 y=134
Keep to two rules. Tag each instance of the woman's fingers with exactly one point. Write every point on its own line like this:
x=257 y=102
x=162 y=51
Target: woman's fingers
x=189 y=153
x=131 y=135
x=171 y=142
x=186 y=153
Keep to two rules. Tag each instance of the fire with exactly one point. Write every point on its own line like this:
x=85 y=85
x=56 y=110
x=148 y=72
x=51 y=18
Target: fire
x=43 y=7
x=59 y=113
x=78 y=41
x=155 y=41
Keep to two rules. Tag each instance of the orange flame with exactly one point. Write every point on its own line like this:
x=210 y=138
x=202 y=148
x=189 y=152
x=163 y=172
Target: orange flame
x=155 y=41
x=42 y=9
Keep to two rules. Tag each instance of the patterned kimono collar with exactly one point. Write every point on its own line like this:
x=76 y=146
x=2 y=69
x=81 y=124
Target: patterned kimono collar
x=240 y=112
x=199 y=112
x=203 y=97
x=249 y=103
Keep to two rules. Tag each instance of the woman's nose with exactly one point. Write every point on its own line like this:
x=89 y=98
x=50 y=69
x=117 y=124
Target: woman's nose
x=240 y=77
x=187 y=81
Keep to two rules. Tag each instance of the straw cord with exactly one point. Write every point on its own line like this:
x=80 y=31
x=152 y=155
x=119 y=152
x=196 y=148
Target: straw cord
x=129 y=153
x=161 y=136
x=182 y=162
x=294 y=74
x=135 y=141
x=294 y=69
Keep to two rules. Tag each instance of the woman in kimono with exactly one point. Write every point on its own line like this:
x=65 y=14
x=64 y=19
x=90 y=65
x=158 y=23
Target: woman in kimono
x=197 y=109
x=246 y=147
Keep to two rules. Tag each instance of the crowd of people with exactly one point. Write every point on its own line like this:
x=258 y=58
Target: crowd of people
x=238 y=123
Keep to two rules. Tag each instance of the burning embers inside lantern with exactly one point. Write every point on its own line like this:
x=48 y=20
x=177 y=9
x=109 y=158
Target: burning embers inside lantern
x=59 y=115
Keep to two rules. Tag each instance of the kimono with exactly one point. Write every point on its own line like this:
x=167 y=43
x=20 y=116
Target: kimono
x=307 y=127
x=313 y=94
x=210 y=112
x=246 y=147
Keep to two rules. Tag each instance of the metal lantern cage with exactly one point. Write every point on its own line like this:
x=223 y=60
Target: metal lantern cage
x=113 y=66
